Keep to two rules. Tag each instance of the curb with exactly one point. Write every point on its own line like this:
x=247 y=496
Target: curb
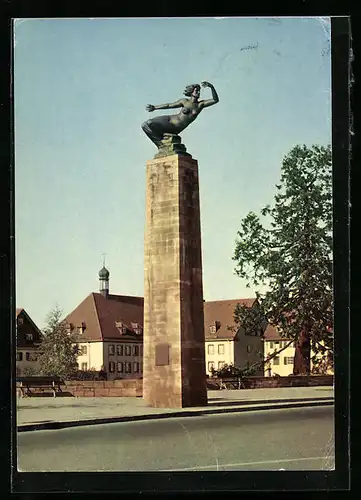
x=157 y=416
x=240 y=402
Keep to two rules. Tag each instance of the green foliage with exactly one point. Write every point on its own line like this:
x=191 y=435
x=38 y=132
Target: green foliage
x=58 y=353
x=289 y=254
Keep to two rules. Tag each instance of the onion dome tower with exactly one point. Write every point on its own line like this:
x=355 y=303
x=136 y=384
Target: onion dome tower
x=104 y=280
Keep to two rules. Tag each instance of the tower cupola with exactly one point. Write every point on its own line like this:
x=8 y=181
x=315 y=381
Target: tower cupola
x=104 y=280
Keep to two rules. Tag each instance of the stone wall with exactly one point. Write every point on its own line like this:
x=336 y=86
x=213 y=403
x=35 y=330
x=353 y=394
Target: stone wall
x=134 y=387
x=106 y=388
x=271 y=382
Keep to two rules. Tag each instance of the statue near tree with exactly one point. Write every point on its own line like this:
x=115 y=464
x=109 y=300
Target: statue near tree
x=163 y=130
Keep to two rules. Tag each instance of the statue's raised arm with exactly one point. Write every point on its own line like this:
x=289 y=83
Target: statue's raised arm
x=162 y=127
x=215 y=98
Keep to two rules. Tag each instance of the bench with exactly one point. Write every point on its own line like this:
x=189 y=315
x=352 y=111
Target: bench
x=231 y=383
x=26 y=384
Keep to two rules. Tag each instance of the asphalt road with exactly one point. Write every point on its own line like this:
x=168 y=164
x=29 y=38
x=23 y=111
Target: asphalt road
x=293 y=439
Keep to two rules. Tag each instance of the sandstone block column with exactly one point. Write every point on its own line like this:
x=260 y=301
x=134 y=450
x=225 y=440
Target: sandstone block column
x=174 y=374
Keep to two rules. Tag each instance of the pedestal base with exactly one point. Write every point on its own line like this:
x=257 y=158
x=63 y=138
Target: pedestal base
x=171 y=145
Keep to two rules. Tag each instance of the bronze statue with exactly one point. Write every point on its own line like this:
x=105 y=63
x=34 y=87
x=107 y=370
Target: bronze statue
x=171 y=125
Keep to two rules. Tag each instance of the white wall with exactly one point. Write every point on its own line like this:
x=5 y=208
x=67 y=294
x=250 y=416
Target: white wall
x=216 y=357
x=281 y=369
x=93 y=357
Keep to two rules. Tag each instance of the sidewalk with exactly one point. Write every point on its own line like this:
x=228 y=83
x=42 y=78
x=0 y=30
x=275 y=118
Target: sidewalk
x=46 y=412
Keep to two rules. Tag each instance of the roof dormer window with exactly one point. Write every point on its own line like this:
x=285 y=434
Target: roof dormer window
x=136 y=328
x=215 y=326
x=121 y=327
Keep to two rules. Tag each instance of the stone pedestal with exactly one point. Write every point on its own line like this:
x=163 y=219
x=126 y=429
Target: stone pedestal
x=174 y=374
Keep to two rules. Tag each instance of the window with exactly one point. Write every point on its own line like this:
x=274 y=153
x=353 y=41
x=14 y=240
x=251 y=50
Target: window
x=211 y=349
x=119 y=367
x=221 y=349
x=210 y=365
x=84 y=366
x=288 y=360
x=121 y=327
x=128 y=367
x=276 y=360
x=28 y=336
x=27 y=356
x=212 y=329
x=119 y=350
x=220 y=365
x=136 y=328
x=83 y=350
x=136 y=367
x=111 y=366
x=136 y=350
x=111 y=350
x=19 y=356
x=249 y=348
x=127 y=350
x=271 y=345
x=20 y=321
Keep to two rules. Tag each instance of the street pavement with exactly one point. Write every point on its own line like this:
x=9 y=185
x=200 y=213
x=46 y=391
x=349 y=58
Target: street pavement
x=47 y=412
x=289 y=439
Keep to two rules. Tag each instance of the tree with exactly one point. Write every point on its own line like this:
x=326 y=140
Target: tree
x=290 y=256
x=58 y=352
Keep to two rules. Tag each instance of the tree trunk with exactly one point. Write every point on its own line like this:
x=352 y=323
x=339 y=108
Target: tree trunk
x=301 y=363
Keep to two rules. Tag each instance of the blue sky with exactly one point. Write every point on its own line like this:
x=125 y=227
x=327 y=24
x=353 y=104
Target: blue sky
x=81 y=87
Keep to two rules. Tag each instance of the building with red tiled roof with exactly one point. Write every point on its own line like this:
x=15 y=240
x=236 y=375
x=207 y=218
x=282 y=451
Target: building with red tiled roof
x=226 y=343
x=109 y=331
x=282 y=364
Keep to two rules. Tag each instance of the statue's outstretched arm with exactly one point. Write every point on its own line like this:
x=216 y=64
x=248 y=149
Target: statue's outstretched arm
x=215 y=98
x=177 y=104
